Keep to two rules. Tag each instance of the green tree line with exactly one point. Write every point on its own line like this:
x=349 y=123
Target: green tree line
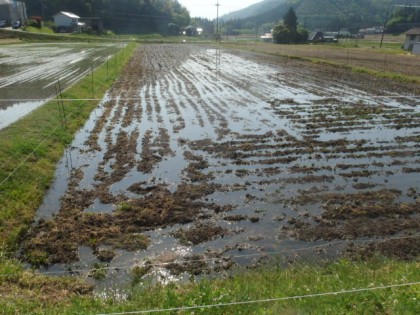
x=122 y=16
x=332 y=15
x=404 y=18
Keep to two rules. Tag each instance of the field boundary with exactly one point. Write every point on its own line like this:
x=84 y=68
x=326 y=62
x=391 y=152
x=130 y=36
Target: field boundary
x=35 y=158
x=345 y=64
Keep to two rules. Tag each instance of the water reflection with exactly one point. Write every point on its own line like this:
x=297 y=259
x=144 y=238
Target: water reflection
x=13 y=113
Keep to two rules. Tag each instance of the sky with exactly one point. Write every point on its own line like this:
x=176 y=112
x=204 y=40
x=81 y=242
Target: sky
x=207 y=8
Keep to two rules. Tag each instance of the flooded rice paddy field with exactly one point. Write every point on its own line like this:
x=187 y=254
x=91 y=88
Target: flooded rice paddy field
x=199 y=160
x=29 y=73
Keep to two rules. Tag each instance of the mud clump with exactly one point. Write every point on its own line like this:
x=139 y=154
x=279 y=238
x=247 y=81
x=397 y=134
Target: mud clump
x=405 y=248
x=57 y=240
x=351 y=216
x=200 y=233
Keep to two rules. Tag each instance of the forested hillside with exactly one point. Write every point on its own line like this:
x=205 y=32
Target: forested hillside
x=253 y=10
x=330 y=14
x=128 y=16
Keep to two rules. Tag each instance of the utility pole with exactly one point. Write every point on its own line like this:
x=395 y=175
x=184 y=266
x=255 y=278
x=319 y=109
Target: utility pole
x=383 y=31
x=43 y=11
x=217 y=21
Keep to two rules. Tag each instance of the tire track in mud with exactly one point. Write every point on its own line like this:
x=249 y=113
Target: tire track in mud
x=242 y=159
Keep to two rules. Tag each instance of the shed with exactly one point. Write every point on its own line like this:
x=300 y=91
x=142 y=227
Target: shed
x=12 y=11
x=67 y=22
x=416 y=49
x=96 y=24
x=411 y=38
x=316 y=36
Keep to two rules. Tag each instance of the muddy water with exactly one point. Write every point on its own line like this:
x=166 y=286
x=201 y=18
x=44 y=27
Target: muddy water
x=29 y=73
x=233 y=157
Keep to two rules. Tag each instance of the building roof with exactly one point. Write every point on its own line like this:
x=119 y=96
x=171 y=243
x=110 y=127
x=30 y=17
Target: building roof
x=69 y=14
x=314 y=34
x=413 y=31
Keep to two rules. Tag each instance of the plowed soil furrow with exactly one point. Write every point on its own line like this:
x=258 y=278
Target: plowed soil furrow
x=207 y=153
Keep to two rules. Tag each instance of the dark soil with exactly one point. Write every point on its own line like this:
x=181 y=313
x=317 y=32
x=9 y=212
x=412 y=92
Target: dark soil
x=179 y=145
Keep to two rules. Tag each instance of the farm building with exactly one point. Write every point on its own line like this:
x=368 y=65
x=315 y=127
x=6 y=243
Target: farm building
x=411 y=38
x=318 y=36
x=94 y=24
x=12 y=11
x=67 y=22
x=267 y=37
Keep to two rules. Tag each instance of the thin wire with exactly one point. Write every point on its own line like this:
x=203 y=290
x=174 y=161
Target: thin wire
x=28 y=156
x=33 y=151
x=138 y=98
x=284 y=251
x=295 y=297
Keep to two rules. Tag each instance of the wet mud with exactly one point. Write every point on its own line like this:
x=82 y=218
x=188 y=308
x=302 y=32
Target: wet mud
x=199 y=160
x=32 y=73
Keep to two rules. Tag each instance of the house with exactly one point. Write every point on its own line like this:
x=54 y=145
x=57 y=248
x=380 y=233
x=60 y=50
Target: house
x=411 y=38
x=318 y=36
x=267 y=37
x=67 y=22
x=12 y=11
x=94 y=24
x=416 y=49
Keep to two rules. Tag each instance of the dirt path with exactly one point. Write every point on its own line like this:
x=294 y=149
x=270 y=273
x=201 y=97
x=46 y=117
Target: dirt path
x=198 y=157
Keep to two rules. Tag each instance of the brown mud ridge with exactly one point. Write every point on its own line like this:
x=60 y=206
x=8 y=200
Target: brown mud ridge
x=327 y=168
x=58 y=240
x=361 y=215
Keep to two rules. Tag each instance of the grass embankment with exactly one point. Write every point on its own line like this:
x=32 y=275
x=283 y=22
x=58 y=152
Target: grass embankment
x=31 y=148
x=29 y=294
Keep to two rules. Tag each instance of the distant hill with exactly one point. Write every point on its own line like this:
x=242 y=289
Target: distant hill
x=322 y=14
x=253 y=10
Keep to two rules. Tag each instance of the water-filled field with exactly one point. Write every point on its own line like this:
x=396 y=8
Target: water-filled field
x=199 y=160
x=29 y=73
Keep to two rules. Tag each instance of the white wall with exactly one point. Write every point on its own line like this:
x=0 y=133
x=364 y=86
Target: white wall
x=409 y=43
x=416 y=49
x=63 y=20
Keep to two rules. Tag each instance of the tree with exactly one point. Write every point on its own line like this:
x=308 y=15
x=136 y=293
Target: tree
x=122 y=16
x=282 y=35
x=288 y=32
x=174 y=29
x=290 y=20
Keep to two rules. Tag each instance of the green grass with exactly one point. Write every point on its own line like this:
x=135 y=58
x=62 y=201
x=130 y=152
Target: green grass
x=31 y=148
x=43 y=30
x=272 y=282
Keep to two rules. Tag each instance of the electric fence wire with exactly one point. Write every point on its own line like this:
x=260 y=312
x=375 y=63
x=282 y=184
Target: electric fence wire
x=212 y=259
x=270 y=300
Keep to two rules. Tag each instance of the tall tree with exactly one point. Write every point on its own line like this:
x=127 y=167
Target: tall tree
x=290 y=20
x=287 y=32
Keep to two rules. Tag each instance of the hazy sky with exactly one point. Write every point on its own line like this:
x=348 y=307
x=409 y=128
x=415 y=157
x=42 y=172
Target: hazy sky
x=207 y=8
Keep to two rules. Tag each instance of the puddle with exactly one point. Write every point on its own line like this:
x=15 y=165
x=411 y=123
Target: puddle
x=30 y=73
x=184 y=169
x=16 y=111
